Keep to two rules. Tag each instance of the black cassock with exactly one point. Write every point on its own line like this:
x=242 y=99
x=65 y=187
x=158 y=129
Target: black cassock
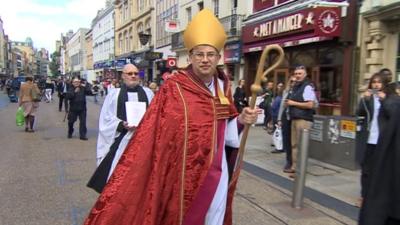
x=382 y=203
x=99 y=178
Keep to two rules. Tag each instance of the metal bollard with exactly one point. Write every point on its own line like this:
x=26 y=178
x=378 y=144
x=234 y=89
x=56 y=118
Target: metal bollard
x=301 y=170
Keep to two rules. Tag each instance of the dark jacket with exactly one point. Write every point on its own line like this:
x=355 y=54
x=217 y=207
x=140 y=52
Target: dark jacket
x=365 y=112
x=276 y=103
x=60 y=87
x=77 y=100
x=297 y=95
x=239 y=98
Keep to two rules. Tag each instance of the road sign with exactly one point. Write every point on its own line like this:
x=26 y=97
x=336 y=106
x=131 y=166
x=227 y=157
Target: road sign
x=171 y=62
x=172 y=26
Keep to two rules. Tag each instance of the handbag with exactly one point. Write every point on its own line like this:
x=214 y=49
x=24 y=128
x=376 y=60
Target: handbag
x=35 y=95
x=19 y=117
x=277 y=138
x=262 y=105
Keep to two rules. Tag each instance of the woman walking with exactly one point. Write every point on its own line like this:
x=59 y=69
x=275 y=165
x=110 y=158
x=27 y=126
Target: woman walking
x=239 y=97
x=29 y=96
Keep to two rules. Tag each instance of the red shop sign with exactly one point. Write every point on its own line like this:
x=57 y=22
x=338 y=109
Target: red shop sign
x=323 y=22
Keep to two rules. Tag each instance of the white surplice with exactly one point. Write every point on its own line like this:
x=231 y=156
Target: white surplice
x=108 y=123
x=216 y=212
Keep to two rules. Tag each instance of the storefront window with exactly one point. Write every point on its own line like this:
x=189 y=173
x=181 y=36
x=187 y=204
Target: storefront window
x=330 y=56
x=330 y=85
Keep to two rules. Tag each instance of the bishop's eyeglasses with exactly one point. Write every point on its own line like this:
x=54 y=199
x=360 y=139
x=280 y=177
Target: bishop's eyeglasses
x=209 y=55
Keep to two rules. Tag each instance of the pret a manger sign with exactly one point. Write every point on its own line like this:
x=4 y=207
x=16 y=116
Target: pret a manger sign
x=278 y=26
x=324 y=22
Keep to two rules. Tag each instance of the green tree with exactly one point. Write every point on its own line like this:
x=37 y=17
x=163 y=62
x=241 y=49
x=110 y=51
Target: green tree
x=55 y=64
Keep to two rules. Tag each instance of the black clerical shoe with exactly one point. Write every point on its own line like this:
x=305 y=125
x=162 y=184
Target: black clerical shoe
x=69 y=135
x=277 y=151
x=84 y=138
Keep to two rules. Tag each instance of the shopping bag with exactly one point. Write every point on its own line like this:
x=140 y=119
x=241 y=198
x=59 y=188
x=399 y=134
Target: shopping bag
x=277 y=138
x=19 y=117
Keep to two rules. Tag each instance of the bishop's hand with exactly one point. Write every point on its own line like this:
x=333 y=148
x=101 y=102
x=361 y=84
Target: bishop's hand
x=248 y=115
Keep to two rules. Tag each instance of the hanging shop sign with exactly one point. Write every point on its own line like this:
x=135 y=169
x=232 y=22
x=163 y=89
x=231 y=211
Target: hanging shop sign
x=171 y=62
x=232 y=52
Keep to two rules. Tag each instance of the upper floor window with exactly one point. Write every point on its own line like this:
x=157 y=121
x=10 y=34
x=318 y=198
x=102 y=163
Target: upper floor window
x=126 y=12
x=140 y=5
x=189 y=13
x=216 y=7
x=201 y=5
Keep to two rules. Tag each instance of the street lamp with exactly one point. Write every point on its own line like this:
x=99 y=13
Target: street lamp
x=144 y=38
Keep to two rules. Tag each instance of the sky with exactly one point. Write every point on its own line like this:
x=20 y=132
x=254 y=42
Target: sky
x=45 y=20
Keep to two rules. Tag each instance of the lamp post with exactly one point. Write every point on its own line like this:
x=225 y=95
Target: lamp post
x=144 y=38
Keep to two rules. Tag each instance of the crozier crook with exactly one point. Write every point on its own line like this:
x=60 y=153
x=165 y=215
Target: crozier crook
x=256 y=89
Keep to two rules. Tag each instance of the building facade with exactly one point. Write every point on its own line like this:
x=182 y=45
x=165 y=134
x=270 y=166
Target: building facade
x=379 y=38
x=166 y=18
x=124 y=33
x=3 y=51
x=28 y=57
x=65 y=67
x=134 y=37
x=42 y=63
x=76 y=52
x=320 y=35
x=103 y=40
x=17 y=61
x=89 y=73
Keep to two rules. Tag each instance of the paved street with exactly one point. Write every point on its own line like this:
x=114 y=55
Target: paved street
x=43 y=177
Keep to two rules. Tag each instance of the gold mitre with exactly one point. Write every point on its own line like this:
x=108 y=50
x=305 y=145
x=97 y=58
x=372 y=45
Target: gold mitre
x=204 y=29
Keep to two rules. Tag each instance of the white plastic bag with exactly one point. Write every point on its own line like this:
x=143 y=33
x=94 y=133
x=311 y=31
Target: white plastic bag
x=277 y=139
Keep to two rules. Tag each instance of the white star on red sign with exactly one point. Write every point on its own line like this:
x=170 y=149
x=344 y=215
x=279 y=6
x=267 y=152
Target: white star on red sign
x=310 y=17
x=328 y=21
x=256 y=32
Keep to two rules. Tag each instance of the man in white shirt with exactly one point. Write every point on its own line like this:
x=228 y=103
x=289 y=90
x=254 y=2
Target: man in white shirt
x=301 y=103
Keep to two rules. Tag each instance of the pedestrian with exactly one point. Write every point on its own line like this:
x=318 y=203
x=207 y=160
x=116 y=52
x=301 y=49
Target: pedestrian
x=29 y=96
x=369 y=108
x=114 y=131
x=153 y=87
x=239 y=97
x=101 y=89
x=95 y=91
x=275 y=105
x=62 y=88
x=268 y=95
x=106 y=83
x=381 y=205
x=175 y=169
x=392 y=88
x=49 y=88
x=76 y=96
x=301 y=102
x=286 y=125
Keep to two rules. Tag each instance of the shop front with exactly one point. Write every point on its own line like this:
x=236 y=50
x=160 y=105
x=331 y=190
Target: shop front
x=145 y=62
x=105 y=70
x=313 y=37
